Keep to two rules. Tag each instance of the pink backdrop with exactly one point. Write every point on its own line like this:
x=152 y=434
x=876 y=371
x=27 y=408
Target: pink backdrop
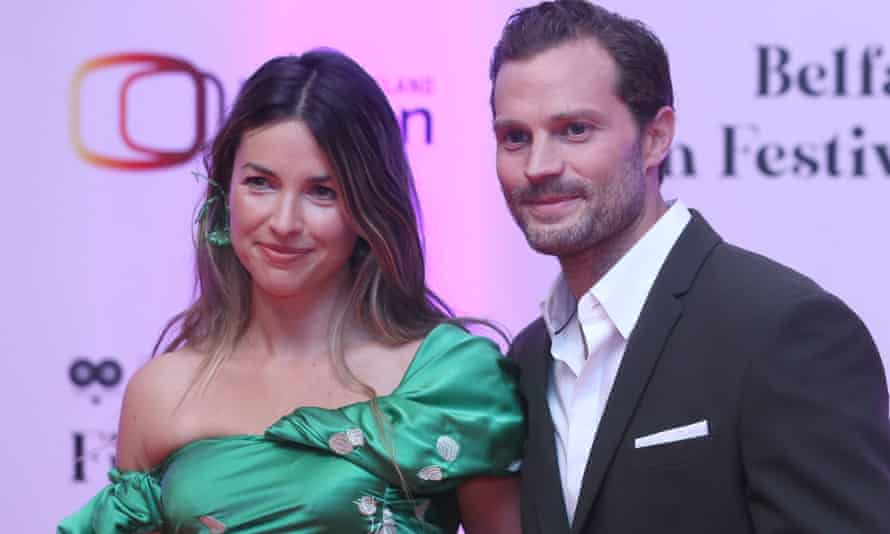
x=97 y=258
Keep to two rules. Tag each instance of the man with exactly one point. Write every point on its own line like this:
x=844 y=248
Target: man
x=674 y=383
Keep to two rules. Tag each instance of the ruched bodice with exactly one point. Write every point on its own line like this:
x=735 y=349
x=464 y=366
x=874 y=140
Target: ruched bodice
x=455 y=415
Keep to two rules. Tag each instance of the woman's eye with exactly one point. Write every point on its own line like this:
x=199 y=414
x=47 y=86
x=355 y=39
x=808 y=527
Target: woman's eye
x=257 y=182
x=323 y=192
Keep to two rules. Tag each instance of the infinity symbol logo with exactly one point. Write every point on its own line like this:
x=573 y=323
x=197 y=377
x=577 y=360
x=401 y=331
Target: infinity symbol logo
x=83 y=372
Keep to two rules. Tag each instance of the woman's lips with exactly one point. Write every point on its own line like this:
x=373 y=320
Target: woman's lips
x=281 y=255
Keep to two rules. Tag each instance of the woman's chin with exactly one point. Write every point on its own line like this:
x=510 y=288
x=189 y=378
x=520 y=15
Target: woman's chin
x=280 y=290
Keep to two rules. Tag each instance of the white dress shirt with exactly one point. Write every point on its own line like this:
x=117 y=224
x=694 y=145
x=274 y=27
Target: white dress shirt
x=588 y=339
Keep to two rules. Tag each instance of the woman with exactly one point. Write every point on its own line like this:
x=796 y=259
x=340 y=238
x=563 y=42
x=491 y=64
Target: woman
x=316 y=384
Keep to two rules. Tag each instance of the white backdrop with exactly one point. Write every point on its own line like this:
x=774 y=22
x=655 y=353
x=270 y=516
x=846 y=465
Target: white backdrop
x=96 y=258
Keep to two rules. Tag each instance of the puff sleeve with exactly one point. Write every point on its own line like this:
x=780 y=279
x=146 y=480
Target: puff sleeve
x=130 y=504
x=455 y=415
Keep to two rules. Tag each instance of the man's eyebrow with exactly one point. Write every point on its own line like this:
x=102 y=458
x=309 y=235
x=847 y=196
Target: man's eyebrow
x=259 y=168
x=572 y=114
x=581 y=113
x=500 y=124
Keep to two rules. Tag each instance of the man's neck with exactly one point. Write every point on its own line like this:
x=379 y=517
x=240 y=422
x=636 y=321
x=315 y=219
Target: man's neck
x=583 y=270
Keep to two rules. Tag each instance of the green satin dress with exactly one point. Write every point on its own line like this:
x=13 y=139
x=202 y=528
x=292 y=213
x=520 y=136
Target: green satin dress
x=455 y=415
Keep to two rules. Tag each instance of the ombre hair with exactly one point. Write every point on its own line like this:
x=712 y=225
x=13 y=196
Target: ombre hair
x=353 y=123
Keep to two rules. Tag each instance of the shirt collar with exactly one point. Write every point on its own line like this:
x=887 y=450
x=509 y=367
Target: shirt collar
x=559 y=307
x=623 y=290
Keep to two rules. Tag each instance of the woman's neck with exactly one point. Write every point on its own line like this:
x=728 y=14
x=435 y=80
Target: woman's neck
x=294 y=326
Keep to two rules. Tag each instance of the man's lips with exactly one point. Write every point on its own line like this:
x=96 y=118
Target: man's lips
x=549 y=199
x=551 y=207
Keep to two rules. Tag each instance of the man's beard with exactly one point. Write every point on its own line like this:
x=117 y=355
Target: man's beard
x=608 y=208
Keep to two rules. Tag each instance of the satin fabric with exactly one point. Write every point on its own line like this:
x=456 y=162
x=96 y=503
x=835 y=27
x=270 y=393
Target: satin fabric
x=455 y=415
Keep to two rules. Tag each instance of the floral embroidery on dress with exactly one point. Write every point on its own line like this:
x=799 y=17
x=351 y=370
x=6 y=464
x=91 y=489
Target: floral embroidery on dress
x=430 y=472
x=447 y=448
x=356 y=437
x=367 y=505
x=212 y=524
x=343 y=443
x=389 y=524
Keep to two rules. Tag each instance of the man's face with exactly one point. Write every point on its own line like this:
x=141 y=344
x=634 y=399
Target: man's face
x=568 y=152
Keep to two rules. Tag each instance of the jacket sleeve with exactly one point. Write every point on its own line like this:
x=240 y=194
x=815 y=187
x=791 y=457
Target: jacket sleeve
x=815 y=438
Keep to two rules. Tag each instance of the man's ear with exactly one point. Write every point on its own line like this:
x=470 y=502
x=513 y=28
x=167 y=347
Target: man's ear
x=657 y=138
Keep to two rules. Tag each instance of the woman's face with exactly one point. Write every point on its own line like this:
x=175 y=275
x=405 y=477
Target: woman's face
x=288 y=225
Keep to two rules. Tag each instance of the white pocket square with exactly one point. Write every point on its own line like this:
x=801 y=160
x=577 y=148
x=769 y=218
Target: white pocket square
x=680 y=433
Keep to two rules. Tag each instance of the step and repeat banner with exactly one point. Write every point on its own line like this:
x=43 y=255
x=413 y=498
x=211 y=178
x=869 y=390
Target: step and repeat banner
x=783 y=144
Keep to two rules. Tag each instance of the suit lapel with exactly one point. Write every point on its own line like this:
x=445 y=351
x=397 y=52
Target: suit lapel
x=660 y=314
x=543 y=467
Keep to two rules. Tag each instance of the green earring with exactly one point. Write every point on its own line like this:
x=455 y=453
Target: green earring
x=220 y=236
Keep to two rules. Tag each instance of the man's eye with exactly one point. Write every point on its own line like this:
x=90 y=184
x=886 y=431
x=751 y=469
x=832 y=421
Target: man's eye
x=577 y=129
x=514 y=139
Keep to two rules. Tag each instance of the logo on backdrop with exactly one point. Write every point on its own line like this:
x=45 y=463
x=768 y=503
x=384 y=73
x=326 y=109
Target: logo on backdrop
x=93 y=453
x=95 y=379
x=92 y=449
x=838 y=151
x=126 y=108
x=404 y=92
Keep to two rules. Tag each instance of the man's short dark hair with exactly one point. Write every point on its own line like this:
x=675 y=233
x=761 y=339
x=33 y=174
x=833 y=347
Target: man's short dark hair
x=644 y=76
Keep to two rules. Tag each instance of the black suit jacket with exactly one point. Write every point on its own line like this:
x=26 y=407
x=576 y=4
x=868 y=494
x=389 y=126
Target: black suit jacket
x=787 y=377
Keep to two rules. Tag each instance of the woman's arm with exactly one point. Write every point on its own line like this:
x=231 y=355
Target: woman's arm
x=149 y=401
x=146 y=431
x=490 y=505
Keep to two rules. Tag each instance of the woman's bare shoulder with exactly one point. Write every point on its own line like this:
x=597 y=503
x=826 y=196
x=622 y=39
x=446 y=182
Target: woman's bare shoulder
x=151 y=397
x=380 y=365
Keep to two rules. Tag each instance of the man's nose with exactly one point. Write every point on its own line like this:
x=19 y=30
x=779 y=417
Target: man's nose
x=544 y=161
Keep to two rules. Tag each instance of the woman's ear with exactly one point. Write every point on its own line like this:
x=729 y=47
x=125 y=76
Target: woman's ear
x=359 y=252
